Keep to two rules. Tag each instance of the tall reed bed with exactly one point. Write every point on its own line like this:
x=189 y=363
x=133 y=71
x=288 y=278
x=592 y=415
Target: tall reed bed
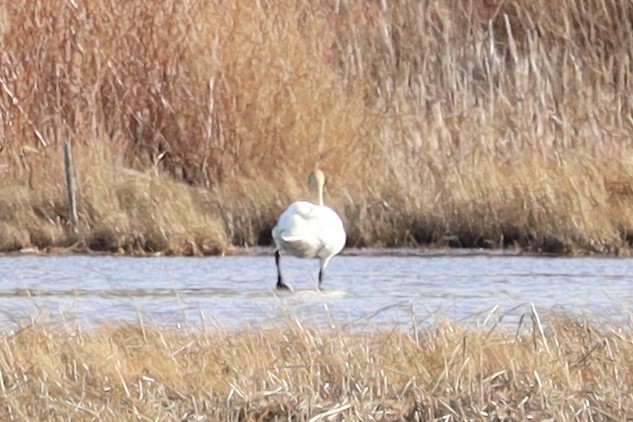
x=568 y=371
x=480 y=123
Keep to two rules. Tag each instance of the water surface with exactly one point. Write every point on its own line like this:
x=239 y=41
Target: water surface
x=360 y=289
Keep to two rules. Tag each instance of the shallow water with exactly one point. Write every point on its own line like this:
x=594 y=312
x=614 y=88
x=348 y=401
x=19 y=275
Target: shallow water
x=360 y=290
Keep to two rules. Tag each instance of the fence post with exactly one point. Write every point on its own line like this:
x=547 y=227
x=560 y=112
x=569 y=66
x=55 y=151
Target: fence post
x=70 y=182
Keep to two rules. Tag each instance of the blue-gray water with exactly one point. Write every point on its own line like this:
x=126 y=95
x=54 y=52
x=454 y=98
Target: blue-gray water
x=363 y=290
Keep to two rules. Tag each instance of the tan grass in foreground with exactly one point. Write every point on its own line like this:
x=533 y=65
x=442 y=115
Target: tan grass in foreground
x=148 y=373
x=480 y=123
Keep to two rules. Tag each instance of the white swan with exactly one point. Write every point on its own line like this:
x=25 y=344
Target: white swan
x=307 y=230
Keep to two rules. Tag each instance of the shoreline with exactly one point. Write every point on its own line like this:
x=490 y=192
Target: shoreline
x=397 y=252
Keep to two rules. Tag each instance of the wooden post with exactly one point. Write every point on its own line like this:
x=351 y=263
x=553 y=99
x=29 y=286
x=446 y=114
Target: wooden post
x=70 y=182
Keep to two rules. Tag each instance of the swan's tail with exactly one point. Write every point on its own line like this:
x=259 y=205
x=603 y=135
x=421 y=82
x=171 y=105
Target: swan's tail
x=298 y=245
x=291 y=238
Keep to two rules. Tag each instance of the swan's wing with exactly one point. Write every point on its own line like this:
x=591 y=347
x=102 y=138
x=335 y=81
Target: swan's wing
x=328 y=228
x=294 y=231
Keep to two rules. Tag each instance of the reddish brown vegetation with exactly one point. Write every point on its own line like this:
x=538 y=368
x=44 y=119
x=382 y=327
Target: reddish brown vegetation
x=482 y=124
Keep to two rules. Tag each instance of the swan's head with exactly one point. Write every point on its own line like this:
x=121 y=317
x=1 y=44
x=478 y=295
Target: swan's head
x=316 y=180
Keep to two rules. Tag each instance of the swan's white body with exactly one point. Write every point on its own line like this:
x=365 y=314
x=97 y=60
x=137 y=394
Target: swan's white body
x=307 y=230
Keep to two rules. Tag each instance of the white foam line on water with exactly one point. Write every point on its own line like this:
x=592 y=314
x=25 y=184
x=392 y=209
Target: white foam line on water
x=319 y=293
x=309 y=294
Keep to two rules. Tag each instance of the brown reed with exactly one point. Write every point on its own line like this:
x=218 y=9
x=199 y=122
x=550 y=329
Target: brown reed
x=470 y=124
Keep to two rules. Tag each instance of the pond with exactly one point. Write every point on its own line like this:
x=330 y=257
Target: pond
x=376 y=289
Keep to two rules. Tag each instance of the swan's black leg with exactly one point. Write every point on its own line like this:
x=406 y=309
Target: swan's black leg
x=324 y=262
x=280 y=282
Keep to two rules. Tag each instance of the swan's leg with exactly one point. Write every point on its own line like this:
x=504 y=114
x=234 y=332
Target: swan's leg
x=320 y=278
x=280 y=282
x=324 y=262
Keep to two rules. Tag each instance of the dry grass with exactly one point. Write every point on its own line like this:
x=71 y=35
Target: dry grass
x=571 y=372
x=483 y=123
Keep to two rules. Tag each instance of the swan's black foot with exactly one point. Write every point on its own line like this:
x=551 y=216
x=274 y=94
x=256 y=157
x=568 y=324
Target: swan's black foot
x=283 y=286
x=319 y=288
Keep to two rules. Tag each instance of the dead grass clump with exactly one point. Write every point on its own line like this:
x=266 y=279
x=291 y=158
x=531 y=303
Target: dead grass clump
x=121 y=210
x=570 y=370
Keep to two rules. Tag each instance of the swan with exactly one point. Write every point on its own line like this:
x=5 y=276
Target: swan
x=308 y=230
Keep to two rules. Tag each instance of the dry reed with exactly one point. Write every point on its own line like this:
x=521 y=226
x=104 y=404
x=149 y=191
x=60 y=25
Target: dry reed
x=475 y=124
x=570 y=371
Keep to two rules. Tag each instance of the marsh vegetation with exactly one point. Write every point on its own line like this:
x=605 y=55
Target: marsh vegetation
x=472 y=124
x=194 y=123
x=567 y=371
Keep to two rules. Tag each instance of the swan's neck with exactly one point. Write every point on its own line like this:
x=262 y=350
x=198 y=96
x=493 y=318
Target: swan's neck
x=320 y=192
x=316 y=180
